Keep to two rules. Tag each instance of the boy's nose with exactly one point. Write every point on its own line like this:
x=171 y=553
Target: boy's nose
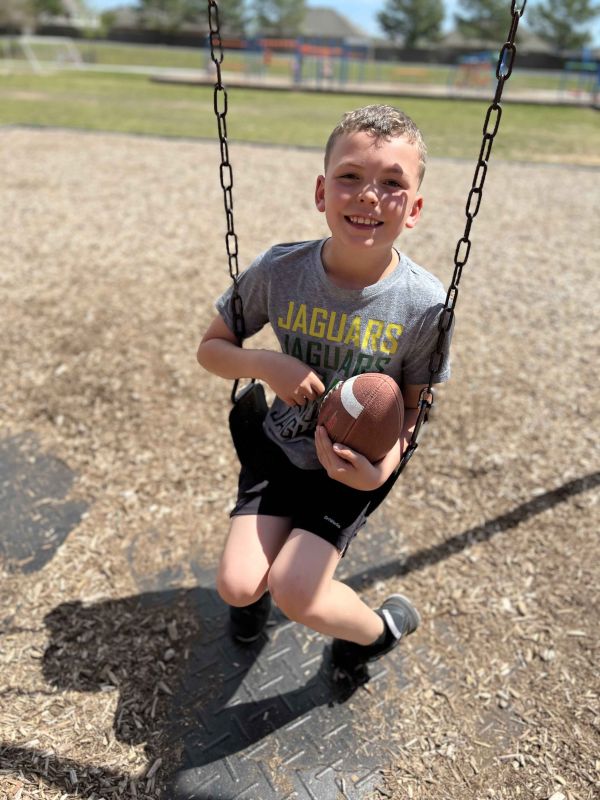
x=368 y=195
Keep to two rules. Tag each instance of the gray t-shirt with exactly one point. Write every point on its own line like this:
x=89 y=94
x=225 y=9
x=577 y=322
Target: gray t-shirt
x=390 y=326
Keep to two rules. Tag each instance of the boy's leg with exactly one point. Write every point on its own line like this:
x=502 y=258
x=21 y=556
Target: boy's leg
x=251 y=547
x=302 y=584
x=301 y=581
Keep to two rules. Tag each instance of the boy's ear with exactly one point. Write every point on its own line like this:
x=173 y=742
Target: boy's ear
x=320 y=193
x=415 y=212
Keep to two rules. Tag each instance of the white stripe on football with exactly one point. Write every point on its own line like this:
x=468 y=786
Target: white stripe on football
x=349 y=399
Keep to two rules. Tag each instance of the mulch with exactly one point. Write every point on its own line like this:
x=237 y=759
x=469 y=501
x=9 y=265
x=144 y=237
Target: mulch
x=111 y=255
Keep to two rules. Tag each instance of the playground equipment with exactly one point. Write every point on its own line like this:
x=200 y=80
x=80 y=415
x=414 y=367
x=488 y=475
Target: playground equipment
x=41 y=54
x=581 y=76
x=303 y=59
x=249 y=405
x=475 y=70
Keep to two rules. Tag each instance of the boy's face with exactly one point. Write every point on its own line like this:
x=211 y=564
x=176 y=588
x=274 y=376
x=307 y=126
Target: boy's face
x=369 y=192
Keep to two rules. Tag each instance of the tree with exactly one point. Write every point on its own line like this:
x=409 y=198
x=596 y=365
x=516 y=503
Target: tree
x=413 y=21
x=279 y=17
x=484 y=19
x=233 y=16
x=16 y=14
x=168 y=15
x=565 y=24
x=53 y=8
x=23 y=14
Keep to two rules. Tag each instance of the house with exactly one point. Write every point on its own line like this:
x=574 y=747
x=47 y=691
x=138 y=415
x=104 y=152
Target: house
x=76 y=14
x=332 y=28
x=526 y=41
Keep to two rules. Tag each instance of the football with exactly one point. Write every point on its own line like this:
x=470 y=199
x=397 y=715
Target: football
x=365 y=412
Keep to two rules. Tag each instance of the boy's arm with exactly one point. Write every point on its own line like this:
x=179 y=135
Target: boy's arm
x=291 y=380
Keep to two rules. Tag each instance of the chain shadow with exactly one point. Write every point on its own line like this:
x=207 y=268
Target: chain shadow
x=428 y=556
x=136 y=646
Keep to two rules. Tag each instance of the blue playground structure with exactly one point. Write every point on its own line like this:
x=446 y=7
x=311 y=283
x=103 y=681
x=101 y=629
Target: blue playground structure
x=582 y=75
x=475 y=70
x=304 y=59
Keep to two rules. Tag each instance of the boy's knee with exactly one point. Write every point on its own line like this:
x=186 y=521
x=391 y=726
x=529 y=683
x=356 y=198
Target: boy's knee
x=235 y=590
x=291 y=597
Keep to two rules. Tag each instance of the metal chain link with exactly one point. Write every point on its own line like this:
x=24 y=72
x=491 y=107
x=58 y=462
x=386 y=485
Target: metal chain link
x=491 y=125
x=493 y=116
x=220 y=103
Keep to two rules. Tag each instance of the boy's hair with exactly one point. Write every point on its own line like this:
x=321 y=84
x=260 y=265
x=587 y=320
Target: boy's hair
x=382 y=122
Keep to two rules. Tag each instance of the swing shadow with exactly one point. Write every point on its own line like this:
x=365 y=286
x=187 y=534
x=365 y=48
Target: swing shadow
x=428 y=556
x=120 y=645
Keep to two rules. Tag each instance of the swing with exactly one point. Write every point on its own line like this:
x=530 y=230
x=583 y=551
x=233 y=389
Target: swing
x=249 y=405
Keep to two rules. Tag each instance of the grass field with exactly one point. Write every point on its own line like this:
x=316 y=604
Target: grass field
x=114 y=53
x=134 y=104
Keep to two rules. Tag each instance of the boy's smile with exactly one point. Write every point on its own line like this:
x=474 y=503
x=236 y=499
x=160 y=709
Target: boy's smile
x=364 y=222
x=369 y=193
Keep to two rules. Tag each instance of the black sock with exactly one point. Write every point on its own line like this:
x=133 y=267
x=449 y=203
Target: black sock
x=384 y=638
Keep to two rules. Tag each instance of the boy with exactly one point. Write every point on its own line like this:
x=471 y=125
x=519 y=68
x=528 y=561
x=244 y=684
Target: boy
x=348 y=304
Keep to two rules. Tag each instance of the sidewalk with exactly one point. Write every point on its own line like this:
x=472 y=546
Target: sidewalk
x=238 y=80
x=235 y=80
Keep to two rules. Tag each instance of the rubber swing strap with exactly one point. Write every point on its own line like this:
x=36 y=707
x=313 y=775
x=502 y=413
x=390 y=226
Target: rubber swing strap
x=491 y=125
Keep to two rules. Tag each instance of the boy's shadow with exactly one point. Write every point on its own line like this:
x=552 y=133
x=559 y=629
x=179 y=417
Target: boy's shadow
x=184 y=685
x=182 y=682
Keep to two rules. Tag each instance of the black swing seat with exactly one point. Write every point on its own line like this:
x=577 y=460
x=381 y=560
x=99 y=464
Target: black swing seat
x=248 y=412
x=246 y=423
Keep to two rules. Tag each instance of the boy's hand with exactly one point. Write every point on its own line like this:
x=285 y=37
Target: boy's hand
x=351 y=468
x=292 y=381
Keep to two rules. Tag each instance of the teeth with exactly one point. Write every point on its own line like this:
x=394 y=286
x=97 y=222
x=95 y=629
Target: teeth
x=364 y=221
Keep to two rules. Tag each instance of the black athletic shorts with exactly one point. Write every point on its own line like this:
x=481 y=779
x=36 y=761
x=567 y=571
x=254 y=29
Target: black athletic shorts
x=315 y=502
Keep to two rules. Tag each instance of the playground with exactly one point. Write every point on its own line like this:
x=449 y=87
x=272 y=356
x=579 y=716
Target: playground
x=118 y=677
x=308 y=65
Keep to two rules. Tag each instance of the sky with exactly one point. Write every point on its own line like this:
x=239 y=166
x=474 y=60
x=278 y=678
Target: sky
x=361 y=12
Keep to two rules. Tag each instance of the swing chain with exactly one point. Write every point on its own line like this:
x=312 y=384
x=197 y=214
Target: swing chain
x=463 y=248
x=491 y=125
x=220 y=103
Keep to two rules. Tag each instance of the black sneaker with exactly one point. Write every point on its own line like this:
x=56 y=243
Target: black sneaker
x=399 y=617
x=247 y=623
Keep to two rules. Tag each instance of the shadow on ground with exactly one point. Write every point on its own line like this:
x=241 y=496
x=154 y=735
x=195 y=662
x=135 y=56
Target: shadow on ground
x=269 y=720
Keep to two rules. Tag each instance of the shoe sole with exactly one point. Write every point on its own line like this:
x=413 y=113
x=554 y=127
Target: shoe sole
x=247 y=639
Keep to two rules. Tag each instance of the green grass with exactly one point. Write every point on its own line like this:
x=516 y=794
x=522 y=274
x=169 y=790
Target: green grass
x=114 y=53
x=134 y=104
x=110 y=53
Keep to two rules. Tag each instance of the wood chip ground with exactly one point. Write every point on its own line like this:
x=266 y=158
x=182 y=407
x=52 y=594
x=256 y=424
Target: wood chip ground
x=112 y=254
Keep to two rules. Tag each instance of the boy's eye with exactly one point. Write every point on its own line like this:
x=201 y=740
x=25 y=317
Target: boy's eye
x=393 y=183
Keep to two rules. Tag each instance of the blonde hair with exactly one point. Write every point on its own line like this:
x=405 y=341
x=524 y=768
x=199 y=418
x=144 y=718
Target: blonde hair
x=382 y=122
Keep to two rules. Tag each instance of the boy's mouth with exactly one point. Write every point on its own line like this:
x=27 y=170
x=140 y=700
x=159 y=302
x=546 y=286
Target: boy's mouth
x=365 y=223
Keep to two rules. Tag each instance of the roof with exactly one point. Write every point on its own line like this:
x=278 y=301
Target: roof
x=327 y=23
x=526 y=39
x=125 y=16
x=74 y=12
